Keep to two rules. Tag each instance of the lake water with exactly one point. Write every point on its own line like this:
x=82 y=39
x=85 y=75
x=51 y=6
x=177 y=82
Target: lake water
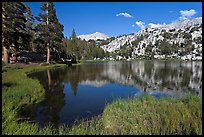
x=82 y=91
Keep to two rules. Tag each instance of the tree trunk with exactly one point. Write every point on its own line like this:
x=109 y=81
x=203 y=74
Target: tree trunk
x=48 y=48
x=48 y=55
x=5 y=58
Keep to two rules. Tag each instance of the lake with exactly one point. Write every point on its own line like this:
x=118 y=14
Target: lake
x=82 y=91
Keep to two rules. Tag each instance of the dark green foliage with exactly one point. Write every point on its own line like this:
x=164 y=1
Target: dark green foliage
x=82 y=49
x=14 y=34
x=125 y=51
x=30 y=30
x=149 y=52
x=165 y=48
x=167 y=35
x=49 y=30
x=175 y=48
x=135 y=43
x=22 y=32
x=75 y=45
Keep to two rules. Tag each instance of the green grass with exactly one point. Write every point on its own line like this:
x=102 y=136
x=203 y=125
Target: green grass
x=142 y=116
x=149 y=116
x=18 y=90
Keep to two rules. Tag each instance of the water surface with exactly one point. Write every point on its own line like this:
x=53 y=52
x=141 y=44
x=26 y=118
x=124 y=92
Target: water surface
x=82 y=91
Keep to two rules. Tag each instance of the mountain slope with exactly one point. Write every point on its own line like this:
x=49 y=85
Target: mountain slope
x=185 y=23
x=94 y=36
x=182 y=39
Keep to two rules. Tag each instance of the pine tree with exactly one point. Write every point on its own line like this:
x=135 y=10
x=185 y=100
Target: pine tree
x=50 y=30
x=13 y=27
x=74 y=44
x=165 y=48
x=30 y=29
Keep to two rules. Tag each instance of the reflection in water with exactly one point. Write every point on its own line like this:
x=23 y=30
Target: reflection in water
x=49 y=79
x=175 y=77
x=83 y=91
x=48 y=110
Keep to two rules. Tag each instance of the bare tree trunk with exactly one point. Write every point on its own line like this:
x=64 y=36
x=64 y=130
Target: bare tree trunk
x=5 y=57
x=48 y=55
x=5 y=50
x=48 y=48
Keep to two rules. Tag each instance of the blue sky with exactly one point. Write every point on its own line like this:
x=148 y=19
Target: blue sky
x=117 y=18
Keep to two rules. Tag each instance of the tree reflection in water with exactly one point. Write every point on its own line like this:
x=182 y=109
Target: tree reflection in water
x=49 y=108
x=175 y=77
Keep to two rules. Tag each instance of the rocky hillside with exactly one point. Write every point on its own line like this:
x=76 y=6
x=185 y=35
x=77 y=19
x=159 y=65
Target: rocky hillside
x=182 y=39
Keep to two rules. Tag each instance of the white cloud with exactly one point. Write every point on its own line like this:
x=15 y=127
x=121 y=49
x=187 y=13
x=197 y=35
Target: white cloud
x=140 y=24
x=127 y=15
x=185 y=14
x=152 y=25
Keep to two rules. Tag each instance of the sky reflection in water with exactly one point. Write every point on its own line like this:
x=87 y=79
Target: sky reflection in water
x=83 y=91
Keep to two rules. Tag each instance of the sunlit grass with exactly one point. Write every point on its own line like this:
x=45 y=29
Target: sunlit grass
x=148 y=115
x=19 y=90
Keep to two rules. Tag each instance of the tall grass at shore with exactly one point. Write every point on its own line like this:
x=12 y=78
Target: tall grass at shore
x=150 y=116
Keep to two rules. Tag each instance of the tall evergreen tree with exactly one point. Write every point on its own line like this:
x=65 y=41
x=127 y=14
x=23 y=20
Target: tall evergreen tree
x=13 y=26
x=74 y=41
x=30 y=29
x=50 y=30
x=75 y=45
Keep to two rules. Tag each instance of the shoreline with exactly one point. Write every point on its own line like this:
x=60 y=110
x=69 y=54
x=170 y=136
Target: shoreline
x=19 y=90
